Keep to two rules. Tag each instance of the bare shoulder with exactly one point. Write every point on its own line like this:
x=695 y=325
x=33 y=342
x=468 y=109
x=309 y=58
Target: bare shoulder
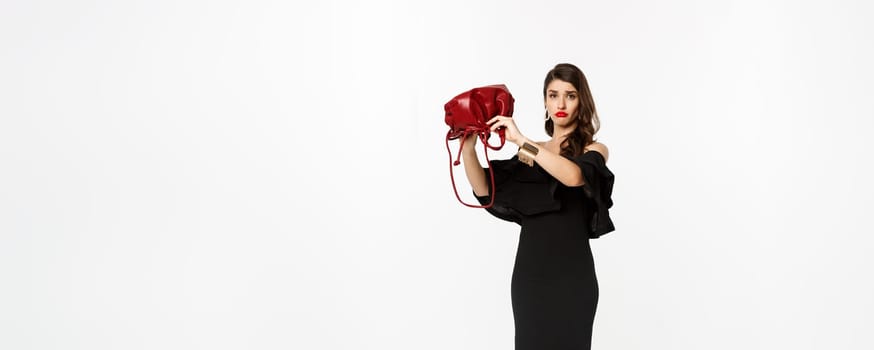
x=600 y=148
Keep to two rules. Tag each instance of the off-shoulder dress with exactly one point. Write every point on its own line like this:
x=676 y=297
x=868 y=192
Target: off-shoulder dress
x=554 y=289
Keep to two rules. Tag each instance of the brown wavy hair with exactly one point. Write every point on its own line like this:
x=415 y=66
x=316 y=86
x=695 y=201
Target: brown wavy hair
x=587 y=117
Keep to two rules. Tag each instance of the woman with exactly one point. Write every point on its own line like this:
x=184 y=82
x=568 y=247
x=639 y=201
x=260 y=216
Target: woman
x=558 y=191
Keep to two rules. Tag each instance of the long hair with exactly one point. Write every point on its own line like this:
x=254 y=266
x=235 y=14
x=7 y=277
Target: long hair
x=587 y=123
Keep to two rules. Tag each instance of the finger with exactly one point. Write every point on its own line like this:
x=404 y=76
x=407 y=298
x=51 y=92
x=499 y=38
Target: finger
x=501 y=125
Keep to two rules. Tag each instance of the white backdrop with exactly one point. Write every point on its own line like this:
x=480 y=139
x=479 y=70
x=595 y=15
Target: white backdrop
x=272 y=174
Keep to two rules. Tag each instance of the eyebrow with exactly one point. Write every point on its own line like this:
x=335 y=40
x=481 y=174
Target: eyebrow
x=568 y=91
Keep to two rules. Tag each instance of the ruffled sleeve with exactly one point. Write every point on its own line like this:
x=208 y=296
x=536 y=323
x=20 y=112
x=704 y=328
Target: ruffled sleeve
x=520 y=190
x=599 y=188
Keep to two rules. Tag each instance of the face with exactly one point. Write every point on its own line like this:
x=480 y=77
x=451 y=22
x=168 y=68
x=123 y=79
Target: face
x=562 y=102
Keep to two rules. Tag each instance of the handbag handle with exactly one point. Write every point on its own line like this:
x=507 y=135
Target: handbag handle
x=501 y=133
x=483 y=136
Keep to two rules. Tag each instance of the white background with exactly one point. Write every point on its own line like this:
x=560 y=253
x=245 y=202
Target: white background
x=273 y=175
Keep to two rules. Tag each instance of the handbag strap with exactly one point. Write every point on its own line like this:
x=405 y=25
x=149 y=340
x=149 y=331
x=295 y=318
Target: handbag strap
x=483 y=137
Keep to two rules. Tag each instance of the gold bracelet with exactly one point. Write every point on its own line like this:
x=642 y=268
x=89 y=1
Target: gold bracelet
x=527 y=153
x=525 y=157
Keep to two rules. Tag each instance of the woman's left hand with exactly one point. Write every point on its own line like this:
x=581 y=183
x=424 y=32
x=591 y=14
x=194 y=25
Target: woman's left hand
x=511 y=132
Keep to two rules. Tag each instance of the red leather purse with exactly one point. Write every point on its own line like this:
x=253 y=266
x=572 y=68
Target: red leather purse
x=467 y=114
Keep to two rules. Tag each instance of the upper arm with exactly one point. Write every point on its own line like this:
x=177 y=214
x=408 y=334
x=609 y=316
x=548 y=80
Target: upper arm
x=600 y=148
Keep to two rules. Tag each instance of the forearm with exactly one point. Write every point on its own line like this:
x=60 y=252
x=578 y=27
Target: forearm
x=562 y=169
x=473 y=169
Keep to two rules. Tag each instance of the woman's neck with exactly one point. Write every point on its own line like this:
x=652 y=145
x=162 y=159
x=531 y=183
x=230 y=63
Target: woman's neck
x=560 y=134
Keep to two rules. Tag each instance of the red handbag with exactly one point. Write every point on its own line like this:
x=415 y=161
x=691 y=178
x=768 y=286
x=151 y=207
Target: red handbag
x=467 y=114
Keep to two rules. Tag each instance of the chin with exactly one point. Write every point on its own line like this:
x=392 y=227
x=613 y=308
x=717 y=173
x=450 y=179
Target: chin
x=564 y=123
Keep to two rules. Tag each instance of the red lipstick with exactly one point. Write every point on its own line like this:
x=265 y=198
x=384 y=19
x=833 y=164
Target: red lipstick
x=560 y=114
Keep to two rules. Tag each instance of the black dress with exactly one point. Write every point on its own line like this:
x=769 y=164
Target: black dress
x=554 y=289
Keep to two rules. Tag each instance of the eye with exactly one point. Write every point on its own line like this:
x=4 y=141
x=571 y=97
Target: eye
x=572 y=97
x=553 y=95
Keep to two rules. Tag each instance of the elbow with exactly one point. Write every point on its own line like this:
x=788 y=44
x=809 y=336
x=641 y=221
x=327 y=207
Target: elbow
x=569 y=175
x=575 y=180
x=481 y=191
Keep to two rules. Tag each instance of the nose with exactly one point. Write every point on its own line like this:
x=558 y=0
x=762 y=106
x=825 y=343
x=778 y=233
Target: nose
x=561 y=103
